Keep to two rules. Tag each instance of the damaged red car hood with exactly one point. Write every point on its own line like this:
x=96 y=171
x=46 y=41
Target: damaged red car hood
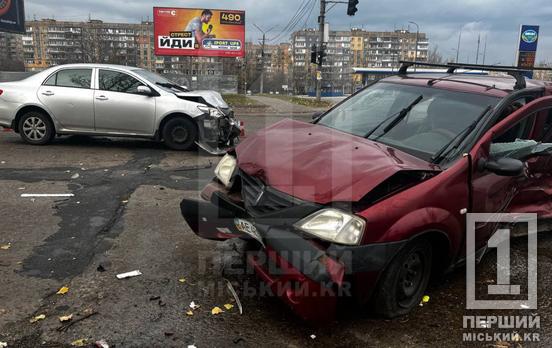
x=319 y=164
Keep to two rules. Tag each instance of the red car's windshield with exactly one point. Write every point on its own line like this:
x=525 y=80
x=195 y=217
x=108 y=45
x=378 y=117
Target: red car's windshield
x=436 y=118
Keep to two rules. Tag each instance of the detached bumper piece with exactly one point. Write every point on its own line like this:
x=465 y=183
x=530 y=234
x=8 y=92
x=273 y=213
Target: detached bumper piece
x=218 y=135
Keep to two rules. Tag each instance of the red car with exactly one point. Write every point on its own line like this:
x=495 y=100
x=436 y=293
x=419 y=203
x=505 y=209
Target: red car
x=370 y=199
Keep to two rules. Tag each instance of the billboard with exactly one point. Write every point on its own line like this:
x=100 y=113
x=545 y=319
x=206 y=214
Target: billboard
x=12 y=16
x=199 y=32
x=528 y=43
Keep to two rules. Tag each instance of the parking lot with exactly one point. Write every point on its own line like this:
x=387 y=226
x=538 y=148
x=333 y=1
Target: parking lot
x=125 y=216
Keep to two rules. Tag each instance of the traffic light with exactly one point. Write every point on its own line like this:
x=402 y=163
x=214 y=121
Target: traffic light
x=322 y=55
x=352 y=8
x=314 y=55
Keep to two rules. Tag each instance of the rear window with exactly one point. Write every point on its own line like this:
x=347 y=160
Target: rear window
x=73 y=78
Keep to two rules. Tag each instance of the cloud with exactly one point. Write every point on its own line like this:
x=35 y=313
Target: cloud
x=442 y=20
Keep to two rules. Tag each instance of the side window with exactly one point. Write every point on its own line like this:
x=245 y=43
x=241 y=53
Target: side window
x=516 y=142
x=73 y=78
x=114 y=81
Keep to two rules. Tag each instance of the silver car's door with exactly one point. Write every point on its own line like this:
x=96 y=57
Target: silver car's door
x=118 y=106
x=69 y=98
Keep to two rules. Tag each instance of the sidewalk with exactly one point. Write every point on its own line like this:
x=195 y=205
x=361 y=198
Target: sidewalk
x=277 y=106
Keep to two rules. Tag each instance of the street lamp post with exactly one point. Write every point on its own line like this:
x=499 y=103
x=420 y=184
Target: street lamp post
x=417 y=39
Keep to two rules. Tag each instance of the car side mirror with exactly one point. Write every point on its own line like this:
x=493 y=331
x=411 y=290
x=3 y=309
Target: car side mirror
x=317 y=115
x=504 y=166
x=145 y=90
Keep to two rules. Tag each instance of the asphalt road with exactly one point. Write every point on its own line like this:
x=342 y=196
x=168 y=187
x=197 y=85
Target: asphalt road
x=125 y=216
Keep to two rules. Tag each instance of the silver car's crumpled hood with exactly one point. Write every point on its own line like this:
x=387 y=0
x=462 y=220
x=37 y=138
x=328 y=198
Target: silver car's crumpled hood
x=211 y=97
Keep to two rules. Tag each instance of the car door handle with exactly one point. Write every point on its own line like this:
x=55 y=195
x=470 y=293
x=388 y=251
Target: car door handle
x=48 y=93
x=102 y=97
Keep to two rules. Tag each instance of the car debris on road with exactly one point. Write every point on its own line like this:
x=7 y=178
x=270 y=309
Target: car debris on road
x=129 y=275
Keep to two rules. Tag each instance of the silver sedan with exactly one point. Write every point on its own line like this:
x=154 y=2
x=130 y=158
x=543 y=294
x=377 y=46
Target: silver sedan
x=111 y=100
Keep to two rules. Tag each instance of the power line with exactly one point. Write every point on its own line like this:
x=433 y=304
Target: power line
x=296 y=19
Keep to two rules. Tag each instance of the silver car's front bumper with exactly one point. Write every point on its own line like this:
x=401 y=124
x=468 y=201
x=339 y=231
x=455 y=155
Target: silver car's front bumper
x=218 y=135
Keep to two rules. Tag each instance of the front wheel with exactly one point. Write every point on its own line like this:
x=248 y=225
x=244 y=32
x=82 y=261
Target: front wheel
x=405 y=280
x=180 y=134
x=35 y=128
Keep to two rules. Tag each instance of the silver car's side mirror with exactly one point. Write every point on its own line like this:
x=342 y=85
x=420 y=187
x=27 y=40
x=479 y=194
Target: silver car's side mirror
x=144 y=90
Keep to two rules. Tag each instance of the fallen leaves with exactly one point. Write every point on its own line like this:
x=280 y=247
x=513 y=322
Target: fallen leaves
x=228 y=306
x=216 y=311
x=66 y=318
x=79 y=343
x=190 y=313
x=62 y=291
x=182 y=280
x=5 y=246
x=37 y=318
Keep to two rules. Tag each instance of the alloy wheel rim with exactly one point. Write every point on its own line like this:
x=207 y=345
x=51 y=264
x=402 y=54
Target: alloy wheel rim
x=34 y=128
x=180 y=134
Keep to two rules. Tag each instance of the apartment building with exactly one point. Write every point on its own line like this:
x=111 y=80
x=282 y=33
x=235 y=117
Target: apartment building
x=11 y=52
x=347 y=49
x=336 y=67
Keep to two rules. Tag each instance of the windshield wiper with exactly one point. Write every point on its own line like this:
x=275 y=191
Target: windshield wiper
x=457 y=140
x=171 y=85
x=402 y=114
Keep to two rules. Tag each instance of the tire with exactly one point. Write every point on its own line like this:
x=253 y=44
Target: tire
x=405 y=280
x=36 y=128
x=180 y=134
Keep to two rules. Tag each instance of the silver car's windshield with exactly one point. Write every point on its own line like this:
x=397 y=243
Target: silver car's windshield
x=160 y=81
x=431 y=118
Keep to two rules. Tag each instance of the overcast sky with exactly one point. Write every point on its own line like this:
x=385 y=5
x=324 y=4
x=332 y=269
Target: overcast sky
x=442 y=20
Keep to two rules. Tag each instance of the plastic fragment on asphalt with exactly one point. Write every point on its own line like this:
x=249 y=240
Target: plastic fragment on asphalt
x=63 y=291
x=216 y=311
x=194 y=306
x=228 y=306
x=191 y=346
x=3 y=344
x=37 y=318
x=5 y=246
x=230 y=288
x=313 y=337
x=79 y=343
x=524 y=306
x=129 y=275
x=75 y=176
x=66 y=318
x=102 y=344
x=42 y=195
x=182 y=280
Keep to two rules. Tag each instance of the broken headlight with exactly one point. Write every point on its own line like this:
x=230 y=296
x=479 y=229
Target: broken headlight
x=226 y=170
x=334 y=225
x=213 y=112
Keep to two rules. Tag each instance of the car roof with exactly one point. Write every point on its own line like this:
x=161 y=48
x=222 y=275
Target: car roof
x=89 y=65
x=491 y=85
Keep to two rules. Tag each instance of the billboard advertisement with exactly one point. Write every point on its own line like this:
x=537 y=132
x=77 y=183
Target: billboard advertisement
x=199 y=32
x=12 y=16
x=528 y=43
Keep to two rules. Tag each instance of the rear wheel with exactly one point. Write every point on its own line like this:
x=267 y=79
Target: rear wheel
x=35 y=128
x=403 y=284
x=180 y=134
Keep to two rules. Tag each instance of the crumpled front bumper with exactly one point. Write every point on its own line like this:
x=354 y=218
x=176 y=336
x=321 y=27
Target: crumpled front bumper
x=307 y=275
x=218 y=135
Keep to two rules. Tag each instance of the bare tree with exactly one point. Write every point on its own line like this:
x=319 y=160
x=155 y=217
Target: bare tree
x=434 y=56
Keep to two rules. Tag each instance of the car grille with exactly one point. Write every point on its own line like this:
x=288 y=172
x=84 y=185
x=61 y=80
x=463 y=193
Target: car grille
x=262 y=200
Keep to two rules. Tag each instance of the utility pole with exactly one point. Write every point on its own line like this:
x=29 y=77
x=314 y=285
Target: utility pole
x=478 y=45
x=263 y=54
x=417 y=41
x=485 y=50
x=321 y=21
x=458 y=49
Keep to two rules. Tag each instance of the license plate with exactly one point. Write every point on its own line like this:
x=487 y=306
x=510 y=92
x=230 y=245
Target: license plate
x=248 y=228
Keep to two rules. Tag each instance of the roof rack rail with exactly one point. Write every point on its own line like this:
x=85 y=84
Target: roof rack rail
x=515 y=72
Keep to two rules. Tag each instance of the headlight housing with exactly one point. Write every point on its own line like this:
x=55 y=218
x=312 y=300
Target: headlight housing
x=226 y=170
x=213 y=112
x=334 y=225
